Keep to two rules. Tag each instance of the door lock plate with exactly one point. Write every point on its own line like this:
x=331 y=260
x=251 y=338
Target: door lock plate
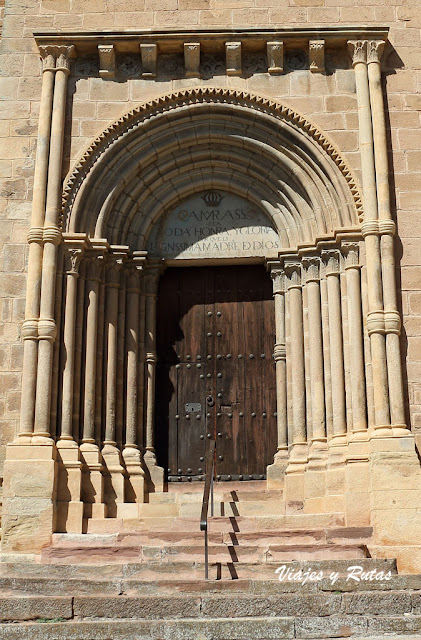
x=193 y=407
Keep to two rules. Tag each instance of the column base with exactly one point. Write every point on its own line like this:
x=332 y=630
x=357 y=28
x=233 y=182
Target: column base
x=69 y=504
x=154 y=473
x=135 y=480
x=315 y=477
x=114 y=479
x=275 y=472
x=294 y=478
x=29 y=497
x=92 y=481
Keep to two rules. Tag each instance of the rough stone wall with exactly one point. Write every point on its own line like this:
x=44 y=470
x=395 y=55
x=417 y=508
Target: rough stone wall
x=329 y=100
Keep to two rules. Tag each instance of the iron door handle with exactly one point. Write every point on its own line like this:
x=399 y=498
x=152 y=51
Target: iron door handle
x=210 y=401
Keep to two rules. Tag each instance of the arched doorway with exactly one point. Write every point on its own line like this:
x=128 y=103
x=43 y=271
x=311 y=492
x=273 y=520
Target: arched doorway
x=215 y=371
x=119 y=213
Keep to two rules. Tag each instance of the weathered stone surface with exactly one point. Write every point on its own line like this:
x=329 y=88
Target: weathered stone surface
x=31 y=608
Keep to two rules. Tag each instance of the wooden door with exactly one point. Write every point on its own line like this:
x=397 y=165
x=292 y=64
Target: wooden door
x=215 y=374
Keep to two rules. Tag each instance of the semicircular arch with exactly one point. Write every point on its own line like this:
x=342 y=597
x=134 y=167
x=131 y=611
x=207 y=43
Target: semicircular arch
x=158 y=154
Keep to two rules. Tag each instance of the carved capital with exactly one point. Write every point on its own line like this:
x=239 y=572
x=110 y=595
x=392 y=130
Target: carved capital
x=151 y=280
x=350 y=251
x=375 y=50
x=149 y=55
x=293 y=272
x=112 y=274
x=64 y=54
x=192 y=59
x=277 y=274
x=358 y=51
x=133 y=280
x=317 y=55
x=73 y=260
x=106 y=60
x=311 y=266
x=94 y=266
x=233 y=58
x=275 y=54
x=331 y=258
x=48 y=57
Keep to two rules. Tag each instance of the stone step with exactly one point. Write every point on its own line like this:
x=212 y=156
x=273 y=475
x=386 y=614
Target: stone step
x=183 y=571
x=195 y=553
x=217 y=524
x=274 y=628
x=72 y=586
x=345 y=535
x=220 y=495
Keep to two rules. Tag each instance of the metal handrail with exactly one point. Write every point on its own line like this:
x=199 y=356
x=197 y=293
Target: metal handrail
x=208 y=490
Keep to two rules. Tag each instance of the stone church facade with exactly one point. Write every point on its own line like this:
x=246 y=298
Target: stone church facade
x=210 y=230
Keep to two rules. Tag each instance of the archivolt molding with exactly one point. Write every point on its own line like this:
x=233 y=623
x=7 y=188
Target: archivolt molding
x=167 y=102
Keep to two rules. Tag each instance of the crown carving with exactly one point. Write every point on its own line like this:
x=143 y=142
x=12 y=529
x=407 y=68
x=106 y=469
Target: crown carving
x=212 y=198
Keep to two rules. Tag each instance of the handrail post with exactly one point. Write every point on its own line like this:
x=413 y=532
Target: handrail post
x=208 y=489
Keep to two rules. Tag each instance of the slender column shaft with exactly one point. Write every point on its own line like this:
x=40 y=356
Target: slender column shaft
x=326 y=357
x=56 y=392
x=297 y=356
x=52 y=238
x=111 y=321
x=151 y=287
x=100 y=364
x=141 y=368
x=316 y=349
x=92 y=293
x=33 y=292
x=278 y=278
x=375 y=320
x=69 y=346
x=121 y=333
x=79 y=329
x=356 y=338
x=336 y=343
x=132 y=341
x=387 y=230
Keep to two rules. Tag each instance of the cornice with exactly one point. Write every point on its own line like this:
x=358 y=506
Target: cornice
x=129 y=39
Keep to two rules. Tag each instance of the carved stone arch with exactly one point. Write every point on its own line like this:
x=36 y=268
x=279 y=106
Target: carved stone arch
x=153 y=152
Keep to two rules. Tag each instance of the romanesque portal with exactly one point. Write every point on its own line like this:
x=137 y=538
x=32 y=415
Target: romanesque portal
x=191 y=205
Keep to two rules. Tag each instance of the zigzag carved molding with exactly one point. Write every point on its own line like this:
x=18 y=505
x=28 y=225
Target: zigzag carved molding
x=193 y=96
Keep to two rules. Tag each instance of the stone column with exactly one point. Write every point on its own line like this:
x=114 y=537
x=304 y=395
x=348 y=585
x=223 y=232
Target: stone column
x=335 y=475
x=132 y=449
x=370 y=231
x=315 y=478
x=387 y=231
x=114 y=480
x=151 y=280
x=356 y=340
x=276 y=471
x=331 y=258
x=73 y=258
x=92 y=489
x=33 y=293
x=357 y=480
x=69 y=485
x=298 y=457
x=51 y=238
